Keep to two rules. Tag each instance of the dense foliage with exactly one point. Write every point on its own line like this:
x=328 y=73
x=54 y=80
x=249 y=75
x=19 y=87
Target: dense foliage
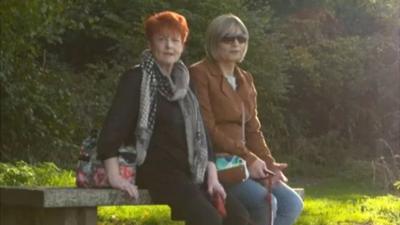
x=327 y=72
x=42 y=174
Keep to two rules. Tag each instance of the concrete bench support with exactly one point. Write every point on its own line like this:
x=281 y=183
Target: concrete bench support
x=63 y=206
x=48 y=216
x=59 y=206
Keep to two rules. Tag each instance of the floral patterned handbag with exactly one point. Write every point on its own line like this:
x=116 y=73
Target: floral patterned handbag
x=90 y=172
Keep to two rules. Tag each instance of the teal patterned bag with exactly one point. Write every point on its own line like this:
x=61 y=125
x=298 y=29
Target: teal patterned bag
x=231 y=169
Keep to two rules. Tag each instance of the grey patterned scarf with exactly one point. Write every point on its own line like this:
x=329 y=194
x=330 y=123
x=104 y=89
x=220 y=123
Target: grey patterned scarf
x=176 y=89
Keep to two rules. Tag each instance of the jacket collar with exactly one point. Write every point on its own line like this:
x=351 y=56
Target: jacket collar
x=224 y=85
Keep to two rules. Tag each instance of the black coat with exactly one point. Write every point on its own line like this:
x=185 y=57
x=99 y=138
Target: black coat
x=167 y=155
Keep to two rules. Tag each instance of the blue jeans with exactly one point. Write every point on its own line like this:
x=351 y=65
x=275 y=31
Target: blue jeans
x=286 y=203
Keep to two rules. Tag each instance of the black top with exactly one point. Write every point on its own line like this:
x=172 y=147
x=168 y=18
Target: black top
x=167 y=152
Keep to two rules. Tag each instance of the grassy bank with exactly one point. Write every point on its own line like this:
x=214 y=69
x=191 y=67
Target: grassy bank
x=344 y=202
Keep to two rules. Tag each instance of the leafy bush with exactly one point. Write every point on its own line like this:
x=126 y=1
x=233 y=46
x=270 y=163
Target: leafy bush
x=42 y=174
x=61 y=61
x=36 y=98
x=322 y=69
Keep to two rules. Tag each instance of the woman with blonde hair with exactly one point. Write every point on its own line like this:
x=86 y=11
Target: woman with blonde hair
x=227 y=97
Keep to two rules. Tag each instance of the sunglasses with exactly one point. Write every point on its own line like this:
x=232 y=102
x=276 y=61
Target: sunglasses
x=230 y=39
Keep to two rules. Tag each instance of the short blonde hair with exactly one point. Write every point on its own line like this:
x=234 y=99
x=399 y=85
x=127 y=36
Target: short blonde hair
x=219 y=28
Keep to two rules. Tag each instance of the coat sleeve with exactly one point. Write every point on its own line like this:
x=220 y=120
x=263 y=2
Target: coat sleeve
x=122 y=116
x=222 y=142
x=254 y=137
x=210 y=149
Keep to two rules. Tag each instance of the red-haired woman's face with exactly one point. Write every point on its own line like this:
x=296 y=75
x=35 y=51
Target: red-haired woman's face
x=166 y=47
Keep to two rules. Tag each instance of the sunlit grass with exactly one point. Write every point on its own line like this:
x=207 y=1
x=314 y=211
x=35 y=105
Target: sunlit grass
x=344 y=203
x=136 y=215
x=330 y=202
x=383 y=210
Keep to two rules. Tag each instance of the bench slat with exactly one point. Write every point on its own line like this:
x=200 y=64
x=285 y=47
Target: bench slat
x=48 y=197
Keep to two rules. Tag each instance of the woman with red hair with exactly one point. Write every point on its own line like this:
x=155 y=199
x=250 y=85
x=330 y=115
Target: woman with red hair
x=155 y=111
x=228 y=100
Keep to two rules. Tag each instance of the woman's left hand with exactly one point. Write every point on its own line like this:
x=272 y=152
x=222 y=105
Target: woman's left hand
x=279 y=175
x=277 y=168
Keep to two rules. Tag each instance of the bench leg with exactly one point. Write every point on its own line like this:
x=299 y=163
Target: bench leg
x=48 y=216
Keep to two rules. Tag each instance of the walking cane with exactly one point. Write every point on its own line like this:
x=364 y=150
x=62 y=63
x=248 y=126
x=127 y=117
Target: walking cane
x=269 y=172
x=269 y=200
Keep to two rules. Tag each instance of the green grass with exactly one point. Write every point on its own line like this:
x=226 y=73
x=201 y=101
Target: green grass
x=327 y=202
x=338 y=202
x=136 y=215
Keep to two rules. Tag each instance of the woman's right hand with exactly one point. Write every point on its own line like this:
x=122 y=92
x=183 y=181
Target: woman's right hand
x=257 y=169
x=214 y=187
x=115 y=179
x=120 y=183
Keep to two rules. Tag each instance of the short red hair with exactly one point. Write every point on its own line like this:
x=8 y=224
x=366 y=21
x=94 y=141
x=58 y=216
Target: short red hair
x=166 y=20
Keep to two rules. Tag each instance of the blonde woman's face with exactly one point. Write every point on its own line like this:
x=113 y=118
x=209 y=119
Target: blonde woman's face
x=166 y=47
x=231 y=47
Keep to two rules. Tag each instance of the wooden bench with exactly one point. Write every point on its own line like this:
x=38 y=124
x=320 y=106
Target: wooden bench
x=62 y=206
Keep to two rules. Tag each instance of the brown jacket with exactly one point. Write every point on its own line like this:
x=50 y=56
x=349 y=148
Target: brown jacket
x=221 y=107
